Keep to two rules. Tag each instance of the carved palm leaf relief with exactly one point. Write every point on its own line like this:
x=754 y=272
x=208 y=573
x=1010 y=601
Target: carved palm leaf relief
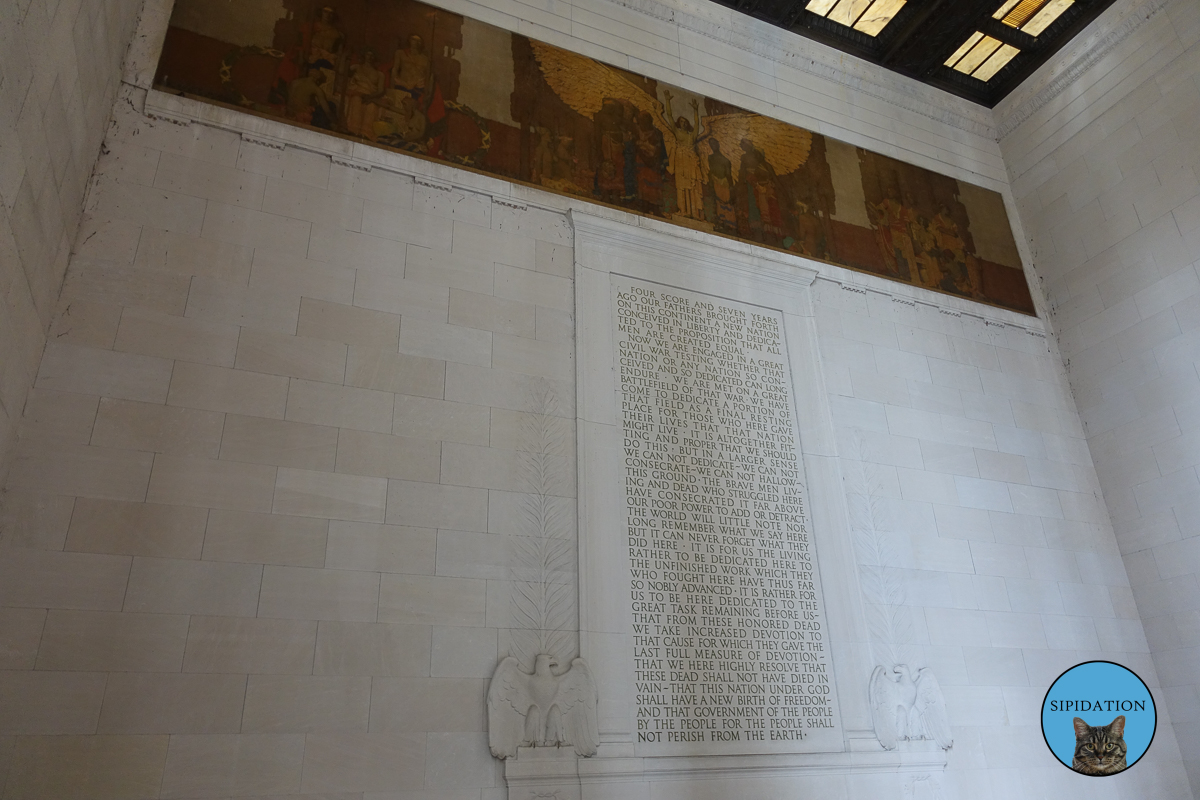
x=889 y=619
x=543 y=599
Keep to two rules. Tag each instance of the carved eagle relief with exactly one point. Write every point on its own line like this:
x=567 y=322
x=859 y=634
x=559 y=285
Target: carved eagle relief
x=908 y=707
x=543 y=709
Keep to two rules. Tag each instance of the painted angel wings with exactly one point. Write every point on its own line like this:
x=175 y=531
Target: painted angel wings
x=786 y=147
x=584 y=84
x=542 y=709
x=906 y=708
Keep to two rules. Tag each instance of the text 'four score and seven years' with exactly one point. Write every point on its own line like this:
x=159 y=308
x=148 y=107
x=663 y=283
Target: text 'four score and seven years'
x=728 y=634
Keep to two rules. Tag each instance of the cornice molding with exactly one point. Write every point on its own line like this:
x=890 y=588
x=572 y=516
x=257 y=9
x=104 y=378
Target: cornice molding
x=984 y=317
x=447 y=177
x=1085 y=51
x=811 y=57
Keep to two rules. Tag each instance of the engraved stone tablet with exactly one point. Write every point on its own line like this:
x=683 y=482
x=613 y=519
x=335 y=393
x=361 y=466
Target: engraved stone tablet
x=729 y=646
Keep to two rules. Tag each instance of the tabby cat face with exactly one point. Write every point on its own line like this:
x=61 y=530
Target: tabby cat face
x=1099 y=750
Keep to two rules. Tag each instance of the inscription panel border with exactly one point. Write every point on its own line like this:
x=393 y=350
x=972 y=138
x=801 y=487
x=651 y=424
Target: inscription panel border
x=743 y=734
x=605 y=248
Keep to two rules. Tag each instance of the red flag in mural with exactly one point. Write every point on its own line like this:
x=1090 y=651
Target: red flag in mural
x=435 y=114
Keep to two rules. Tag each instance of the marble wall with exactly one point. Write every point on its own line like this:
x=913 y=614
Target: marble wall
x=60 y=66
x=265 y=476
x=1105 y=177
x=258 y=535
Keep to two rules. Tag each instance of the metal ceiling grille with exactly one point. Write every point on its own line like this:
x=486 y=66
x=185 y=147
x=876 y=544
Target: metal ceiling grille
x=978 y=49
x=1031 y=16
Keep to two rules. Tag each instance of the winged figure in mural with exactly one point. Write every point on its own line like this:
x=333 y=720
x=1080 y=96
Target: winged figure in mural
x=908 y=706
x=543 y=709
x=594 y=90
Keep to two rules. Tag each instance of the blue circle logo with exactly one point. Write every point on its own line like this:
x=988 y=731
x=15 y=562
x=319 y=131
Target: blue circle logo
x=1098 y=718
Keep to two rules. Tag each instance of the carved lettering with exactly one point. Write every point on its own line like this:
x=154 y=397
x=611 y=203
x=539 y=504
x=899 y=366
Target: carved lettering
x=729 y=637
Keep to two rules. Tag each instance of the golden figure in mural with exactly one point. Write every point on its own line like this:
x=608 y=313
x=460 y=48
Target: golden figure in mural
x=960 y=269
x=365 y=90
x=308 y=102
x=893 y=226
x=411 y=68
x=684 y=161
x=925 y=248
x=325 y=40
x=403 y=110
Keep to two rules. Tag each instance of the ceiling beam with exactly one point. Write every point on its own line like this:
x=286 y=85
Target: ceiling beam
x=1009 y=35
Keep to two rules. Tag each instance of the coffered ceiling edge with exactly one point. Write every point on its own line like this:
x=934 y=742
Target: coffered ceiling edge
x=1104 y=35
x=1113 y=27
x=792 y=50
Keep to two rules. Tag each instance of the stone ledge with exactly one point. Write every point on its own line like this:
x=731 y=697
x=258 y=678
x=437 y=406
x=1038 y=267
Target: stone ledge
x=544 y=767
x=278 y=134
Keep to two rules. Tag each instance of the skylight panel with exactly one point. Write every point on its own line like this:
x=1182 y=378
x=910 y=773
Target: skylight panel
x=1045 y=17
x=981 y=56
x=821 y=7
x=995 y=62
x=878 y=15
x=1004 y=9
x=868 y=16
x=971 y=41
x=977 y=55
x=847 y=12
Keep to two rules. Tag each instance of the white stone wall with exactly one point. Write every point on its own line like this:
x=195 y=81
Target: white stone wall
x=1106 y=179
x=256 y=529
x=979 y=480
x=60 y=66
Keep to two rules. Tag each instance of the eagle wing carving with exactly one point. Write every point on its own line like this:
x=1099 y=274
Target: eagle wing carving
x=931 y=705
x=576 y=701
x=509 y=700
x=884 y=699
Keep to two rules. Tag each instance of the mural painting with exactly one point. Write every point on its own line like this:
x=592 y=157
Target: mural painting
x=407 y=76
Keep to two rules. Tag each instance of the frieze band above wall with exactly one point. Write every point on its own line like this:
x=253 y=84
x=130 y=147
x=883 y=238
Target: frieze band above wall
x=412 y=77
x=159 y=105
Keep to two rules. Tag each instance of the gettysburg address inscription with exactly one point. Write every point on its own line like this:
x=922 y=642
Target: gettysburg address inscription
x=730 y=654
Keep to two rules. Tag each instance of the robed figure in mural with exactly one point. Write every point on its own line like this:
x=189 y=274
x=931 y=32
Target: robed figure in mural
x=363 y=93
x=759 y=196
x=308 y=99
x=684 y=161
x=652 y=165
x=720 y=190
x=893 y=227
x=323 y=46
